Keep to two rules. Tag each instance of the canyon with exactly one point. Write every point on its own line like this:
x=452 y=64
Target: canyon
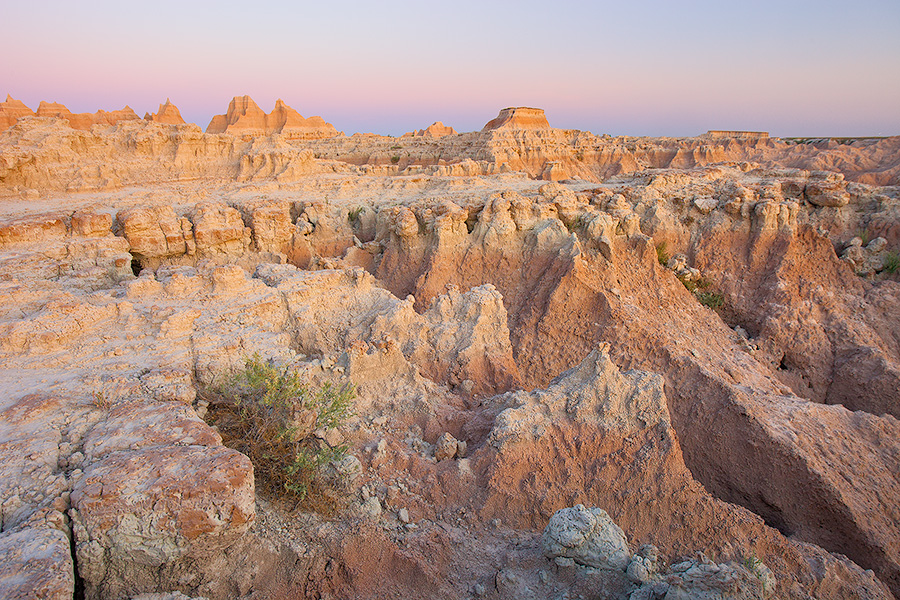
x=585 y=365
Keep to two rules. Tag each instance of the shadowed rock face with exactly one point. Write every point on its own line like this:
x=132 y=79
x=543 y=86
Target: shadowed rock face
x=696 y=352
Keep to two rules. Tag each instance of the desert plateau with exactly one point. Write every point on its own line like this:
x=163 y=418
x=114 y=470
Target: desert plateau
x=270 y=360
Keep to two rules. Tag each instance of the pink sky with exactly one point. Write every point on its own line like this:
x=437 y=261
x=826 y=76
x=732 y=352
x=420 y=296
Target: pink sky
x=647 y=68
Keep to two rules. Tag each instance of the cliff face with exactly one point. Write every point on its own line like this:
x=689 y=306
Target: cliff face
x=49 y=154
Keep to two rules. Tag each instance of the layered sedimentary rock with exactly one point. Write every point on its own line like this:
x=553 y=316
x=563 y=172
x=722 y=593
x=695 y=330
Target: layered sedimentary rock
x=696 y=352
x=11 y=110
x=435 y=130
x=244 y=117
x=168 y=113
x=50 y=155
x=518 y=118
x=84 y=121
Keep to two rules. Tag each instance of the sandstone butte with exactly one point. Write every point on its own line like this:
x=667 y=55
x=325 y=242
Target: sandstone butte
x=586 y=366
x=519 y=118
x=245 y=117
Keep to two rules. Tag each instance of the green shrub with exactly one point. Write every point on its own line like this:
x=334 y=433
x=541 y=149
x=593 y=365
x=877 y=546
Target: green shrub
x=662 y=255
x=267 y=413
x=712 y=300
x=689 y=284
x=892 y=262
x=395 y=159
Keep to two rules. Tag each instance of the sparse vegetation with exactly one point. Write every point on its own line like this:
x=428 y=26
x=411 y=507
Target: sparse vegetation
x=700 y=289
x=662 y=254
x=267 y=413
x=396 y=147
x=892 y=262
x=577 y=223
x=865 y=236
x=100 y=400
x=752 y=564
x=711 y=300
x=353 y=214
x=395 y=159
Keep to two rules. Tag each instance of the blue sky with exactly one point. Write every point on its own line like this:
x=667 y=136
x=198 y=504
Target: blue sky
x=638 y=68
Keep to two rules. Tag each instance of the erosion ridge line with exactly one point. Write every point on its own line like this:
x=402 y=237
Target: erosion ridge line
x=521 y=311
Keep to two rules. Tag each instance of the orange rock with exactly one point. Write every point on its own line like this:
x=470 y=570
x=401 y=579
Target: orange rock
x=84 y=120
x=245 y=117
x=168 y=113
x=520 y=117
x=11 y=110
x=435 y=130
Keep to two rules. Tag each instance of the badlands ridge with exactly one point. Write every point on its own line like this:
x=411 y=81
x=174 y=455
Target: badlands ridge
x=586 y=366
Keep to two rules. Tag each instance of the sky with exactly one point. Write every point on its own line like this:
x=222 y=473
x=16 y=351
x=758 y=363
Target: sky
x=645 y=67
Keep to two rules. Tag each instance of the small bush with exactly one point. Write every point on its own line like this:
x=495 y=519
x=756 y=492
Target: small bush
x=395 y=159
x=711 y=300
x=689 y=284
x=892 y=262
x=267 y=413
x=662 y=254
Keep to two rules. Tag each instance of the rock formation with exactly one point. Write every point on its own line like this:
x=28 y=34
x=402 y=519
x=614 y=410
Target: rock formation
x=584 y=366
x=244 y=117
x=435 y=130
x=168 y=113
x=518 y=118
x=11 y=110
x=84 y=121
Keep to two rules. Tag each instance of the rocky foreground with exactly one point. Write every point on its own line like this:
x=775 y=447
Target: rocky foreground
x=586 y=366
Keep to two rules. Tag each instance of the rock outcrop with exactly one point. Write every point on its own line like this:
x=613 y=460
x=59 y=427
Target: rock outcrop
x=168 y=113
x=695 y=335
x=435 y=130
x=244 y=117
x=84 y=121
x=518 y=118
x=37 y=559
x=11 y=110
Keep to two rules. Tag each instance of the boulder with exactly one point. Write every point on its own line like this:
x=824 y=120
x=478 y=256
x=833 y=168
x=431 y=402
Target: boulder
x=136 y=511
x=587 y=536
x=37 y=560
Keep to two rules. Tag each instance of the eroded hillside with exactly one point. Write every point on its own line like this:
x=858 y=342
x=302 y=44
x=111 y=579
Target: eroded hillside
x=698 y=336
